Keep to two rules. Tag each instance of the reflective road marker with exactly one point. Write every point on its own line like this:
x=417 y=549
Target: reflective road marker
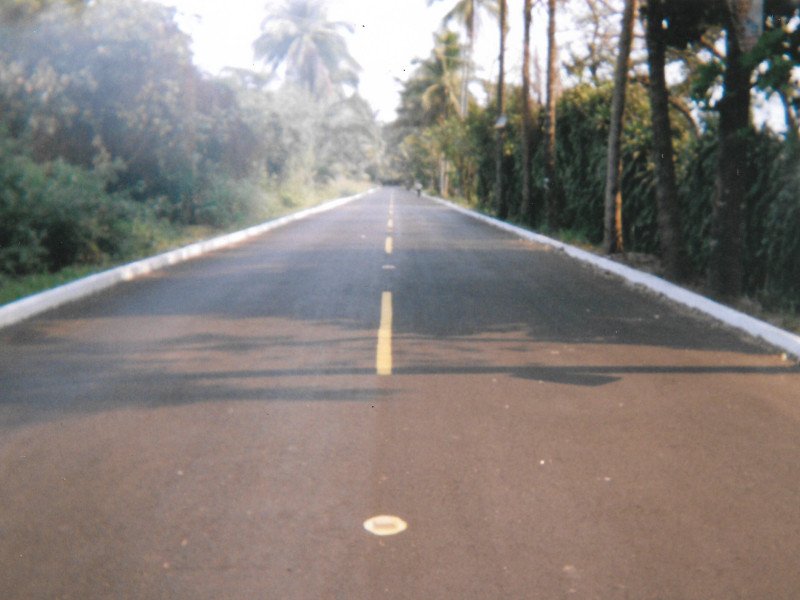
x=385 y=525
x=383 y=360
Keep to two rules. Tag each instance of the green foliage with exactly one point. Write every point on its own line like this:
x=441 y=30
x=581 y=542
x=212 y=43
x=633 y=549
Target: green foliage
x=770 y=216
x=432 y=93
x=113 y=145
x=55 y=214
x=298 y=36
x=468 y=12
x=430 y=132
x=225 y=202
x=775 y=59
x=19 y=11
x=426 y=132
x=114 y=84
x=582 y=126
x=303 y=140
x=104 y=78
x=772 y=202
x=707 y=77
x=781 y=242
x=346 y=140
x=695 y=168
x=14 y=288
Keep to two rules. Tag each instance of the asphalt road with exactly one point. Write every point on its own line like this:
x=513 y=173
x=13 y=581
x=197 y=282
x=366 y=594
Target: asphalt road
x=223 y=428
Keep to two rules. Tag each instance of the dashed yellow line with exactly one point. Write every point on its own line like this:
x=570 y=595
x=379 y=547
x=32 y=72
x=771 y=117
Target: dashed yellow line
x=383 y=360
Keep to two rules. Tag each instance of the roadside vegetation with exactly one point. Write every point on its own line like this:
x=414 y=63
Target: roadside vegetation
x=640 y=139
x=600 y=145
x=113 y=145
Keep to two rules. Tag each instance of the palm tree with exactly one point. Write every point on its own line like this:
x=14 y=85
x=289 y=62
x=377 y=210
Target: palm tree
x=466 y=12
x=743 y=22
x=552 y=199
x=297 y=35
x=526 y=209
x=612 y=226
x=500 y=197
x=669 y=226
x=431 y=95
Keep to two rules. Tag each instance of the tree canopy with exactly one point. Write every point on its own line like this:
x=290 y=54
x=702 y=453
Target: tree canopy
x=298 y=38
x=104 y=96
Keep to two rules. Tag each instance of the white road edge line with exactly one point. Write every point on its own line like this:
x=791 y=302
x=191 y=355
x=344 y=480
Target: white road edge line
x=30 y=306
x=785 y=340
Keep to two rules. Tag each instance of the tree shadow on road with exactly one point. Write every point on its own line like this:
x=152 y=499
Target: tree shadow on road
x=161 y=337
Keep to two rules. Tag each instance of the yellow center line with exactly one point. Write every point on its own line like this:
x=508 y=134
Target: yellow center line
x=389 y=245
x=383 y=360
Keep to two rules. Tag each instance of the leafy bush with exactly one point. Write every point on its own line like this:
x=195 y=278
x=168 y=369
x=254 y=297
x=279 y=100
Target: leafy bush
x=779 y=248
x=224 y=201
x=55 y=214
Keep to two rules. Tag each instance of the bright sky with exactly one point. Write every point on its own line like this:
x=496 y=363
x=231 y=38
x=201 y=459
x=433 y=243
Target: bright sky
x=389 y=34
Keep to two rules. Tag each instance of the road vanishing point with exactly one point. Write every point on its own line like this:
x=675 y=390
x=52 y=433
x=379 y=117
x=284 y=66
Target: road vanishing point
x=393 y=400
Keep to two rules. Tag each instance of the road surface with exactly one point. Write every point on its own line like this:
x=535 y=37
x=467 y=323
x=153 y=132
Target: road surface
x=223 y=428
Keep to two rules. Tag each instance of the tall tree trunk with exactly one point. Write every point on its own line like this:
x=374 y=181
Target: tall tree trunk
x=669 y=226
x=552 y=197
x=466 y=71
x=444 y=167
x=502 y=203
x=526 y=204
x=725 y=276
x=612 y=225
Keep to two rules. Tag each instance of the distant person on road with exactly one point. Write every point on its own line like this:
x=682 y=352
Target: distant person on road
x=418 y=187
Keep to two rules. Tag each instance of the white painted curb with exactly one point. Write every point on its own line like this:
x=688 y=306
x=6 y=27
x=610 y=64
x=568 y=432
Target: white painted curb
x=785 y=340
x=30 y=306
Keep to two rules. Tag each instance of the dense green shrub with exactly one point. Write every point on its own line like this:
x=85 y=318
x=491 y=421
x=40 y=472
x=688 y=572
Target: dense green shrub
x=582 y=130
x=695 y=167
x=771 y=213
x=778 y=248
x=225 y=201
x=55 y=214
